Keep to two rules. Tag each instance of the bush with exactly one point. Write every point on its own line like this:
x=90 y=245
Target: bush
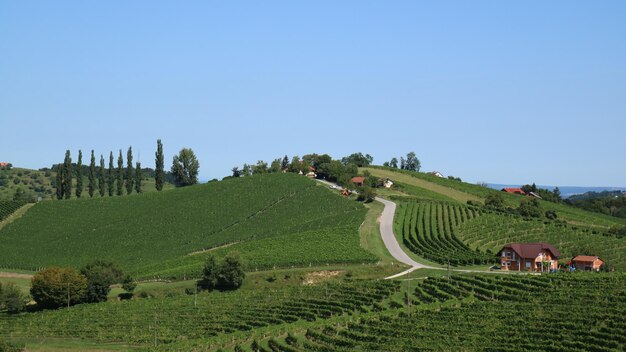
x=551 y=214
x=12 y=299
x=209 y=273
x=9 y=347
x=100 y=276
x=50 y=287
x=495 y=200
x=231 y=274
x=529 y=208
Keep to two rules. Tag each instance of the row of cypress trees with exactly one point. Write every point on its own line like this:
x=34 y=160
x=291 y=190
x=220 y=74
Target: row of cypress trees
x=112 y=181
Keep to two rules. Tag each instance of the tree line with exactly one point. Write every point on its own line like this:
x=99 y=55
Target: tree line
x=411 y=163
x=119 y=180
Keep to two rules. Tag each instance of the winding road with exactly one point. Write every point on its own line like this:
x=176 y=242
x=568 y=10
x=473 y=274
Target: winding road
x=389 y=238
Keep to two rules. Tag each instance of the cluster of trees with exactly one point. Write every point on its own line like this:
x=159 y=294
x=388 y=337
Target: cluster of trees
x=225 y=275
x=57 y=287
x=553 y=196
x=101 y=180
x=337 y=171
x=12 y=300
x=609 y=203
x=529 y=207
x=119 y=180
x=411 y=163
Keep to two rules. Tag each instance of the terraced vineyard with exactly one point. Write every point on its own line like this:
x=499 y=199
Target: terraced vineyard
x=479 y=313
x=176 y=319
x=490 y=232
x=9 y=207
x=155 y=233
x=429 y=230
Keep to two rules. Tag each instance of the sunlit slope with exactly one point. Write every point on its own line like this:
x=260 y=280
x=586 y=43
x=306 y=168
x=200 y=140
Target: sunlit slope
x=462 y=192
x=148 y=230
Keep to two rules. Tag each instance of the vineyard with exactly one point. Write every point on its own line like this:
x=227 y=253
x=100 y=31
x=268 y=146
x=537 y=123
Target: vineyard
x=177 y=319
x=429 y=230
x=512 y=313
x=155 y=232
x=490 y=232
x=425 y=184
x=9 y=207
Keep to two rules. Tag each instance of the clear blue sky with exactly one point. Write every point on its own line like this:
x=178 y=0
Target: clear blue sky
x=497 y=91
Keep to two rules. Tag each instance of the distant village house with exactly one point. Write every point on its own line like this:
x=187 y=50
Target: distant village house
x=514 y=191
x=436 y=173
x=388 y=183
x=4 y=164
x=358 y=181
x=529 y=257
x=587 y=262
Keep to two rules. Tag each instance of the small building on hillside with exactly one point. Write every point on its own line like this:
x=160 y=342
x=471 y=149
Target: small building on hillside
x=311 y=172
x=538 y=257
x=436 y=173
x=533 y=194
x=514 y=191
x=3 y=164
x=587 y=262
x=358 y=181
x=388 y=183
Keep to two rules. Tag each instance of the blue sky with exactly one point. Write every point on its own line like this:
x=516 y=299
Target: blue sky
x=507 y=92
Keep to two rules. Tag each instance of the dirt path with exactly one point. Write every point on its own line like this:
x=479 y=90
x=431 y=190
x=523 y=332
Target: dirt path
x=8 y=275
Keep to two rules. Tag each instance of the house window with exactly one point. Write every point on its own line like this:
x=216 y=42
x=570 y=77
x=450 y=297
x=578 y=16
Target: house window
x=507 y=264
x=527 y=265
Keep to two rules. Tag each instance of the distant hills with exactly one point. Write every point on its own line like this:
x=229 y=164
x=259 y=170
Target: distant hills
x=566 y=191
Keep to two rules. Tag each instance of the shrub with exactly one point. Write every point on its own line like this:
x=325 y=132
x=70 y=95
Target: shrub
x=100 y=276
x=12 y=299
x=51 y=287
x=551 y=214
x=529 y=208
x=231 y=274
x=494 y=200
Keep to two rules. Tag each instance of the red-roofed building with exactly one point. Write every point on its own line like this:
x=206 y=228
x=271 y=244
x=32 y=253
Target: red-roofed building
x=4 y=164
x=514 y=191
x=359 y=181
x=587 y=262
x=540 y=256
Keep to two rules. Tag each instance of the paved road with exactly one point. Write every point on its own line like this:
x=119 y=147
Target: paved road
x=386 y=232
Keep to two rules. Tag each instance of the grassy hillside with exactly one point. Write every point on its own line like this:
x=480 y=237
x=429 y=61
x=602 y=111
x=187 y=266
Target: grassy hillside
x=274 y=220
x=462 y=192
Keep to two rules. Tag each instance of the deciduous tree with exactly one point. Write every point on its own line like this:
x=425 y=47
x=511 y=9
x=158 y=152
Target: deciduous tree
x=185 y=167
x=231 y=274
x=55 y=287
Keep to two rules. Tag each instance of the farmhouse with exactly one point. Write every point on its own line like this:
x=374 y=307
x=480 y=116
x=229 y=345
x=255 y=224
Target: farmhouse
x=540 y=256
x=436 y=173
x=514 y=191
x=4 y=164
x=388 y=183
x=311 y=172
x=587 y=262
x=359 y=180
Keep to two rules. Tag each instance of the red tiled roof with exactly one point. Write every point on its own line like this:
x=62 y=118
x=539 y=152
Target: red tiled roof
x=358 y=179
x=532 y=250
x=514 y=191
x=585 y=258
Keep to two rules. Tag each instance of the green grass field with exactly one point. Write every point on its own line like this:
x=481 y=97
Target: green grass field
x=273 y=220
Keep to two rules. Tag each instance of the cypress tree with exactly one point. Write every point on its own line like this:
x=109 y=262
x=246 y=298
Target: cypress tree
x=129 y=171
x=92 y=175
x=110 y=179
x=159 y=173
x=67 y=175
x=285 y=163
x=138 y=178
x=120 y=174
x=79 y=174
x=101 y=180
x=59 y=181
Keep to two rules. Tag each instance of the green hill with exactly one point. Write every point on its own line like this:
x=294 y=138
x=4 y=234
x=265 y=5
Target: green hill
x=430 y=187
x=273 y=220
